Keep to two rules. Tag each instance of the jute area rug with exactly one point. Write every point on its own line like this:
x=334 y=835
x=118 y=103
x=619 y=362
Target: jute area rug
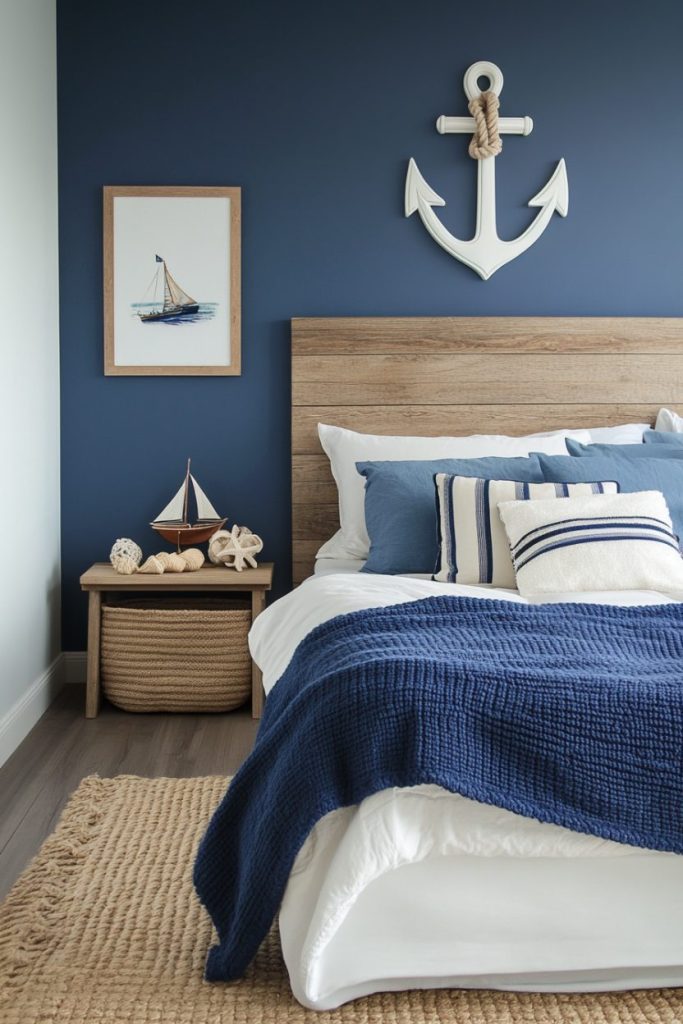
x=104 y=928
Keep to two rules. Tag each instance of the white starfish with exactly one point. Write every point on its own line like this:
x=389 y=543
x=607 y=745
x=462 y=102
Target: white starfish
x=236 y=548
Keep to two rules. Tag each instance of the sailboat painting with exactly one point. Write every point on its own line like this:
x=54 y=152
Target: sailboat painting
x=173 y=522
x=166 y=302
x=172 y=280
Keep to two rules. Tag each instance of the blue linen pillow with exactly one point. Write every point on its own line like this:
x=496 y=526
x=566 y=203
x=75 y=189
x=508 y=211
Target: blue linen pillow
x=400 y=506
x=632 y=451
x=667 y=437
x=632 y=474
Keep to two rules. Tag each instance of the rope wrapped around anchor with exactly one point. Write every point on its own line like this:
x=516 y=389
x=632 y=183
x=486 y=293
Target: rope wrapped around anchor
x=486 y=141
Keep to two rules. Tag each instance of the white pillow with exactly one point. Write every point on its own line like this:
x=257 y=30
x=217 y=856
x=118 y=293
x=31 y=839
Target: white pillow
x=345 y=448
x=668 y=420
x=595 y=542
x=626 y=433
x=473 y=545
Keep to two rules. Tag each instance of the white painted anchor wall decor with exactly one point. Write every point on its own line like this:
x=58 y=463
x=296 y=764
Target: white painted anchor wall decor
x=485 y=252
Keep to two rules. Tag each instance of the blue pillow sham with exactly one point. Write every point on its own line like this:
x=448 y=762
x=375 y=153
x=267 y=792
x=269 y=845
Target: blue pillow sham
x=632 y=474
x=632 y=451
x=400 y=506
x=667 y=437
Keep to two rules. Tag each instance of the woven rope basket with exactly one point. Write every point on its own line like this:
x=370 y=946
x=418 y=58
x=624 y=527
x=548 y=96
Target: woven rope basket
x=185 y=654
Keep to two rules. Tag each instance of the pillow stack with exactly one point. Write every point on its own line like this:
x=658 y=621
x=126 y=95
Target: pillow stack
x=346 y=448
x=401 y=514
x=474 y=547
x=634 y=472
x=486 y=485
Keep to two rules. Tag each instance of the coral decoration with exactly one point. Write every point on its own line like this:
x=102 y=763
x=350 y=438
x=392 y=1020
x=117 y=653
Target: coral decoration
x=125 y=556
x=236 y=548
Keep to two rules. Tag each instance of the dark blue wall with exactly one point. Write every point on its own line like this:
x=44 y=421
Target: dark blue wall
x=314 y=109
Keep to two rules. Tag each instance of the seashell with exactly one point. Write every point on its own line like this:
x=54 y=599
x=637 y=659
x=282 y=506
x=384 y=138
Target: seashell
x=163 y=557
x=193 y=559
x=152 y=565
x=217 y=543
x=175 y=563
x=124 y=546
x=124 y=564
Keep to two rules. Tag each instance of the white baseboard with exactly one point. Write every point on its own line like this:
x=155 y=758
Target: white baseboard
x=74 y=666
x=20 y=719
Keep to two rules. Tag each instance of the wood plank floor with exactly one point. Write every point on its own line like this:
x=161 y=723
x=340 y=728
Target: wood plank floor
x=64 y=747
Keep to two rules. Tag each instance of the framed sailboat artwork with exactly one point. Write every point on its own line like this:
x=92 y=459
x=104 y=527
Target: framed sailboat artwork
x=171 y=280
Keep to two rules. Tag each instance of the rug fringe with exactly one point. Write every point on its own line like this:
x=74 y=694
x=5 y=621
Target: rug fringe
x=41 y=897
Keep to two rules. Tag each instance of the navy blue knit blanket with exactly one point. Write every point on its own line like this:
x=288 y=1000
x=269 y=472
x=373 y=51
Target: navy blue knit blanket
x=569 y=713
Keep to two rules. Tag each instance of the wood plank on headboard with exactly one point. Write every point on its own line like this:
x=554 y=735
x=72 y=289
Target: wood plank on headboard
x=365 y=335
x=465 y=375
x=431 y=420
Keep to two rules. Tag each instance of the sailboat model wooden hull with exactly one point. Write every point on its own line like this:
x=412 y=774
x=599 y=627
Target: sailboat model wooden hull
x=173 y=522
x=185 y=535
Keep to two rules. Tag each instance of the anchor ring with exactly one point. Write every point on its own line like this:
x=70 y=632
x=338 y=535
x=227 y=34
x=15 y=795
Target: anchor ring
x=476 y=71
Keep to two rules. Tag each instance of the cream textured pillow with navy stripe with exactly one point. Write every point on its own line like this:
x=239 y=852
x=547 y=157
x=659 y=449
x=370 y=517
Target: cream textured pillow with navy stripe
x=594 y=542
x=473 y=544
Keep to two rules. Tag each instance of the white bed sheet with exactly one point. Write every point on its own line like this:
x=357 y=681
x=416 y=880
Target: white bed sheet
x=424 y=888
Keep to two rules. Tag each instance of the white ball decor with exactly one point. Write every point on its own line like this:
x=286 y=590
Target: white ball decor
x=125 y=556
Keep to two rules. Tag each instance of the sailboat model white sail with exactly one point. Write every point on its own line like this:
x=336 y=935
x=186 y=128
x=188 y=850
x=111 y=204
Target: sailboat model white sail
x=176 y=301
x=173 y=523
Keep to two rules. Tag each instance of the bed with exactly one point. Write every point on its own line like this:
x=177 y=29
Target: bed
x=417 y=886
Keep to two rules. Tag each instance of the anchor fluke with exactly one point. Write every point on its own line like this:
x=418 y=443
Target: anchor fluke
x=555 y=191
x=417 y=189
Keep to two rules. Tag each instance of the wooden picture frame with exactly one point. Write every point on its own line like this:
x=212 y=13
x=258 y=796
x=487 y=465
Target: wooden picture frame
x=165 y=331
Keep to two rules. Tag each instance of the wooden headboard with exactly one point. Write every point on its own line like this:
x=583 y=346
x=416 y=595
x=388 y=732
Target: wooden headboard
x=464 y=375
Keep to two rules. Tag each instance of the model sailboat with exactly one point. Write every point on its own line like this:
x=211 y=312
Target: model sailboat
x=173 y=521
x=176 y=301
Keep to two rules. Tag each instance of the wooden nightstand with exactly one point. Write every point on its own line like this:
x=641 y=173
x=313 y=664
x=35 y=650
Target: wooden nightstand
x=210 y=579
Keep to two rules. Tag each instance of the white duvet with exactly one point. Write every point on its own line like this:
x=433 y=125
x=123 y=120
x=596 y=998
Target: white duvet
x=421 y=887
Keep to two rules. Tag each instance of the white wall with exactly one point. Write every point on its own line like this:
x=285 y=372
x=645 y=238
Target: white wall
x=29 y=367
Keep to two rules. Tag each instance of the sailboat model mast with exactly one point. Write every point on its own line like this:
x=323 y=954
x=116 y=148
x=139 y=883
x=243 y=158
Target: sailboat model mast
x=173 y=522
x=176 y=301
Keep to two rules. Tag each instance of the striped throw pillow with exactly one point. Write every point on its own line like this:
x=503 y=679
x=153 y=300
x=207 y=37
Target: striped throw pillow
x=473 y=544
x=594 y=542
